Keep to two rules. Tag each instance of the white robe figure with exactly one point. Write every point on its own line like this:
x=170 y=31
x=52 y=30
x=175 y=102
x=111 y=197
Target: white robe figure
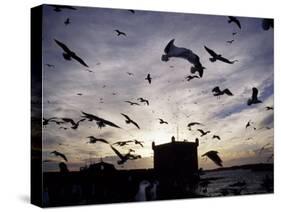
x=141 y=194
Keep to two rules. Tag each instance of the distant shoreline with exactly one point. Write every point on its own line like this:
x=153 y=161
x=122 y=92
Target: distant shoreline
x=253 y=167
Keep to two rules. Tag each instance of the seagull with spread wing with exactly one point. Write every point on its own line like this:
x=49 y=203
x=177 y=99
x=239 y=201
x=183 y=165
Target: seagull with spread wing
x=216 y=56
x=192 y=124
x=130 y=121
x=132 y=103
x=162 y=121
x=213 y=155
x=68 y=54
x=143 y=100
x=203 y=133
x=94 y=140
x=124 y=158
x=218 y=92
x=59 y=154
x=173 y=51
x=100 y=121
x=120 y=33
x=74 y=124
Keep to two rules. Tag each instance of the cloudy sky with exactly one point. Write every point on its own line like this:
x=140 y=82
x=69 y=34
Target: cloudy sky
x=91 y=35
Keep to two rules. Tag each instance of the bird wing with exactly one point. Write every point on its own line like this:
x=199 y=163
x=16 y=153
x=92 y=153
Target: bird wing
x=81 y=120
x=127 y=117
x=147 y=102
x=213 y=155
x=216 y=89
x=68 y=120
x=63 y=46
x=228 y=92
x=103 y=140
x=117 y=152
x=109 y=123
x=211 y=52
x=223 y=59
x=75 y=57
x=237 y=22
x=201 y=131
x=134 y=123
x=169 y=46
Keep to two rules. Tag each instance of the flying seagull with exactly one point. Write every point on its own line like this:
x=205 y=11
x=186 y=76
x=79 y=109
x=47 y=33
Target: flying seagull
x=148 y=78
x=203 y=133
x=190 y=77
x=234 y=33
x=130 y=121
x=132 y=11
x=46 y=121
x=230 y=41
x=94 y=140
x=269 y=108
x=254 y=99
x=138 y=142
x=121 y=143
x=59 y=154
x=173 y=51
x=218 y=92
x=143 y=100
x=67 y=21
x=216 y=137
x=213 y=155
x=216 y=56
x=132 y=103
x=192 y=124
x=123 y=158
x=72 y=122
x=234 y=20
x=100 y=121
x=58 y=8
x=68 y=54
x=120 y=33
x=50 y=65
x=162 y=121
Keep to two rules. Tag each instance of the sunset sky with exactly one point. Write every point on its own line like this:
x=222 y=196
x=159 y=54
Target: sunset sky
x=91 y=35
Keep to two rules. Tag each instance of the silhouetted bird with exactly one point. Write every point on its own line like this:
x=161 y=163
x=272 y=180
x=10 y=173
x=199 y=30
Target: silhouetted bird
x=132 y=11
x=234 y=33
x=213 y=155
x=68 y=54
x=203 y=133
x=46 y=121
x=50 y=65
x=148 y=78
x=249 y=123
x=58 y=8
x=120 y=33
x=94 y=140
x=130 y=73
x=269 y=108
x=59 y=154
x=173 y=51
x=254 y=99
x=79 y=94
x=190 y=77
x=267 y=23
x=218 y=92
x=132 y=103
x=216 y=137
x=67 y=21
x=230 y=41
x=72 y=122
x=130 y=121
x=100 y=121
x=138 y=142
x=234 y=20
x=162 y=121
x=192 y=124
x=216 y=57
x=143 y=100
x=123 y=158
